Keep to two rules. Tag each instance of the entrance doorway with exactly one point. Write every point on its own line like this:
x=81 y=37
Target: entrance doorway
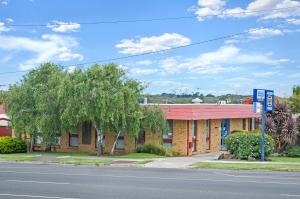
x=225 y=130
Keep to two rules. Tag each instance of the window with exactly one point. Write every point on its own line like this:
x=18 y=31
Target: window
x=168 y=135
x=86 y=133
x=194 y=135
x=38 y=139
x=244 y=124
x=120 y=142
x=57 y=139
x=207 y=133
x=73 y=138
x=141 y=138
x=250 y=124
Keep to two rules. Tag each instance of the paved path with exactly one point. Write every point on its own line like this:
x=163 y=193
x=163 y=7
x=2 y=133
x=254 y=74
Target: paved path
x=28 y=181
x=182 y=162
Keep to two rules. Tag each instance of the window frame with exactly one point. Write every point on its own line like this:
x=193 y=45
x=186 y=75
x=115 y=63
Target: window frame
x=73 y=134
x=207 y=134
x=86 y=133
x=168 y=133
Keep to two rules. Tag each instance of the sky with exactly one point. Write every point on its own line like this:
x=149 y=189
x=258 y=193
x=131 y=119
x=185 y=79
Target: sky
x=266 y=55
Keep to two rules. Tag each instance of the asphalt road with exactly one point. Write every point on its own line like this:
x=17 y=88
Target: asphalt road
x=19 y=180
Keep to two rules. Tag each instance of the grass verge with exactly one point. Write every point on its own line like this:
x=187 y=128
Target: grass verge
x=285 y=159
x=78 y=161
x=245 y=166
x=19 y=157
x=138 y=156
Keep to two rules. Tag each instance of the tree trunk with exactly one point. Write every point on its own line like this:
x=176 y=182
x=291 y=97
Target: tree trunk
x=31 y=144
x=114 y=145
x=100 y=148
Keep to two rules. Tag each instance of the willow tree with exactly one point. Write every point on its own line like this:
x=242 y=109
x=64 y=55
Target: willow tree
x=153 y=119
x=124 y=109
x=32 y=104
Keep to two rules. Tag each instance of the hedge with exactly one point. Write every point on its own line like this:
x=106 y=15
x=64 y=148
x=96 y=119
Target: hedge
x=156 y=149
x=248 y=145
x=12 y=145
x=293 y=151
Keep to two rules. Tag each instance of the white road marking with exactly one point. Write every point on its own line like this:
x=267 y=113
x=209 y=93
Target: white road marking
x=32 y=196
x=39 y=182
x=153 y=177
x=288 y=195
x=266 y=177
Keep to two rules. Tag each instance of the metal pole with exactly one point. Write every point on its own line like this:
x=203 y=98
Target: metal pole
x=263 y=133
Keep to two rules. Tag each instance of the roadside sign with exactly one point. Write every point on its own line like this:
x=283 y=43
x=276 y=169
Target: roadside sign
x=265 y=99
x=269 y=101
x=258 y=95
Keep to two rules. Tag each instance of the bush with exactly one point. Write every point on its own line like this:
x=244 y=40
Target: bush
x=172 y=153
x=151 y=148
x=248 y=145
x=12 y=145
x=293 y=151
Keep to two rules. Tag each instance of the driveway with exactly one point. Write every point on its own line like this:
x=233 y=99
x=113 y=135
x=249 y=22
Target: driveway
x=182 y=162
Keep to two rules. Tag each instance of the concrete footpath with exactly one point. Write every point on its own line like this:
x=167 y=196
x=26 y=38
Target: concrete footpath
x=182 y=162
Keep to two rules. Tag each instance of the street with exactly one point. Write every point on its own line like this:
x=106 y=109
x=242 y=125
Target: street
x=20 y=180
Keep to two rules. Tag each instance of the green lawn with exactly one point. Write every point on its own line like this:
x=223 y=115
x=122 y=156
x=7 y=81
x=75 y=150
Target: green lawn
x=285 y=159
x=19 y=157
x=245 y=166
x=138 y=156
x=79 y=161
x=63 y=154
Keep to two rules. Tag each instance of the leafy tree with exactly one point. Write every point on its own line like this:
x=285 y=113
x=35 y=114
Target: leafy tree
x=281 y=126
x=294 y=100
x=153 y=120
x=32 y=104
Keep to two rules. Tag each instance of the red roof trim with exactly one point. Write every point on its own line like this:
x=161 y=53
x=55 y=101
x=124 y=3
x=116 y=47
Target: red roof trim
x=207 y=111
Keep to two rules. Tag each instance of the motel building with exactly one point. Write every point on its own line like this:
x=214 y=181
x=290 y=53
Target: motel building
x=192 y=129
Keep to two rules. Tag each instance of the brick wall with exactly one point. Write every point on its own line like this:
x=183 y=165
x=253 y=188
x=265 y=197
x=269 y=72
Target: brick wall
x=180 y=136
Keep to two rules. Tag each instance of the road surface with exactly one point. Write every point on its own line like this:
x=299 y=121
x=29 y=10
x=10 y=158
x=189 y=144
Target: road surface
x=20 y=180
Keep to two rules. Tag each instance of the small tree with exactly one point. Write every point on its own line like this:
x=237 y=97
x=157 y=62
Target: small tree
x=294 y=100
x=154 y=120
x=281 y=126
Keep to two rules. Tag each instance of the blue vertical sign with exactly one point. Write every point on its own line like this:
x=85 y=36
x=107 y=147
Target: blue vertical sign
x=266 y=98
x=269 y=101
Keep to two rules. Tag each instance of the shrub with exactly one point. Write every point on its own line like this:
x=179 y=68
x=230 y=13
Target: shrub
x=12 y=145
x=248 y=145
x=151 y=148
x=172 y=153
x=293 y=151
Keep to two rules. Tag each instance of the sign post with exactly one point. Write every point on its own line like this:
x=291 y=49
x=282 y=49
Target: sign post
x=266 y=99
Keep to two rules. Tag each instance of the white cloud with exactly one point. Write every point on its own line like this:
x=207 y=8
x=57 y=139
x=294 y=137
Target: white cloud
x=152 y=44
x=9 y=20
x=165 y=86
x=264 y=32
x=293 y=21
x=3 y=2
x=3 y=28
x=143 y=71
x=59 y=26
x=295 y=75
x=225 y=59
x=144 y=62
x=274 y=9
x=265 y=74
x=48 y=48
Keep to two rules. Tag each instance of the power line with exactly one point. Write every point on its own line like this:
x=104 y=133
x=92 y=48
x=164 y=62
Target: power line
x=155 y=19
x=163 y=50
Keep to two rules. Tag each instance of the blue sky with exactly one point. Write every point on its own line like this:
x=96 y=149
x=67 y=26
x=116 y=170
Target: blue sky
x=267 y=57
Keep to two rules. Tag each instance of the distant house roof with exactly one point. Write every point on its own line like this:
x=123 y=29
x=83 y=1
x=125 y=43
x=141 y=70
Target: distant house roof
x=207 y=111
